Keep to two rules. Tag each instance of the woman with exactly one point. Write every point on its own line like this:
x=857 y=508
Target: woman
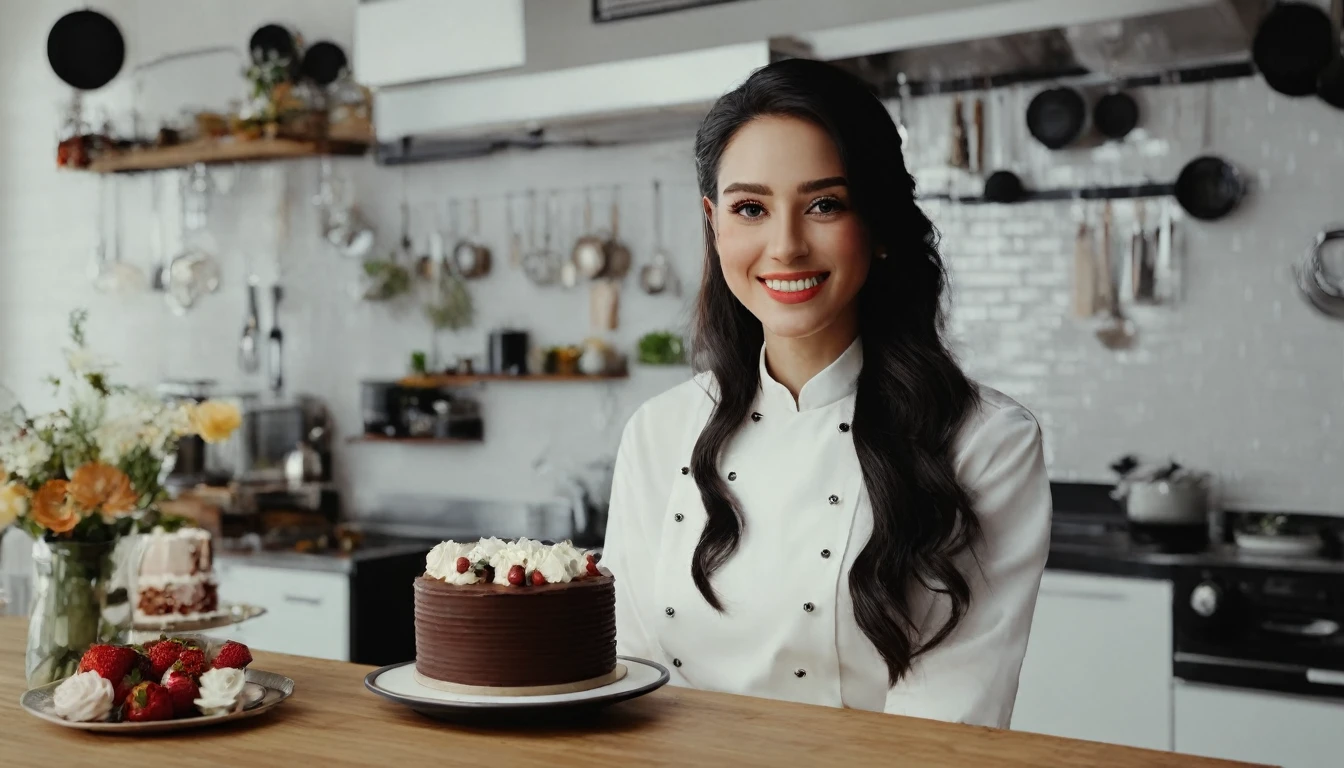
x=831 y=512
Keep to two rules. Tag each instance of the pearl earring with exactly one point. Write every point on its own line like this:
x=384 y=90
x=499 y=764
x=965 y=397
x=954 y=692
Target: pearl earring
x=881 y=254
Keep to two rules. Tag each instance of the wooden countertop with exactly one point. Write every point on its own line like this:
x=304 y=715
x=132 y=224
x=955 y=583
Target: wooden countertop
x=333 y=720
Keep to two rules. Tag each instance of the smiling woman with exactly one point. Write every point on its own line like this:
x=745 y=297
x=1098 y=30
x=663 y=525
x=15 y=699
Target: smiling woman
x=830 y=511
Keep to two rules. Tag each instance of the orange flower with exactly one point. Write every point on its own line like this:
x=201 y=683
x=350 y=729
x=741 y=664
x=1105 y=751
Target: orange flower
x=51 y=509
x=101 y=487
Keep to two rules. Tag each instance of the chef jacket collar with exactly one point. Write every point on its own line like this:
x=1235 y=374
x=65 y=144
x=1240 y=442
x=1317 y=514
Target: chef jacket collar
x=833 y=383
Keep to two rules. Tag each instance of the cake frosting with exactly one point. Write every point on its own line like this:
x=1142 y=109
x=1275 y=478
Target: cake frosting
x=176 y=575
x=553 y=623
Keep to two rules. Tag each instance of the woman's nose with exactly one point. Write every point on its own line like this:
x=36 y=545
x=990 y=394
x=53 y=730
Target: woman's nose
x=787 y=242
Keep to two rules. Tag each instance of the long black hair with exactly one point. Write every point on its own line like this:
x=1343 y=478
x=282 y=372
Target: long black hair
x=912 y=396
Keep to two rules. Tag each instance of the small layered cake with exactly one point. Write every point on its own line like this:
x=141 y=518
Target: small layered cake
x=176 y=578
x=514 y=618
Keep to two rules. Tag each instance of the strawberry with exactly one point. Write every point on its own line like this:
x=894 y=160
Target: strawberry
x=112 y=662
x=592 y=567
x=516 y=575
x=162 y=655
x=183 y=690
x=538 y=579
x=148 y=701
x=233 y=655
x=463 y=565
x=191 y=661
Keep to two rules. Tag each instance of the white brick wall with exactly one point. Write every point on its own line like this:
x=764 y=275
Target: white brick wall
x=1241 y=378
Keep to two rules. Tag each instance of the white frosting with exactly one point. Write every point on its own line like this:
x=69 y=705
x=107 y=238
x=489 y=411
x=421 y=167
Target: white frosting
x=83 y=698
x=169 y=581
x=181 y=554
x=441 y=563
x=220 y=689
x=556 y=567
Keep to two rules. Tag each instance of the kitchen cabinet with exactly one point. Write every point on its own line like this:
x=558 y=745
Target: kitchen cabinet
x=1259 y=726
x=1098 y=663
x=307 y=612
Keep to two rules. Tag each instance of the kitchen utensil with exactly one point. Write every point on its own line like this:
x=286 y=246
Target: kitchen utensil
x=1209 y=188
x=1167 y=267
x=302 y=465
x=249 y=358
x=1116 y=331
x=618 y=253
x=343 y=226
x=1168 y=503
x=508 y=352
x=275 y=342
x=515 y=239
x=274 y=42
x=1330 y=84
x=653 y=278
x=1141 y=266
x=959 y=151
x=1115 y=115
x=193 y=273
x=542 y=265
x=603 y=305
x=978 y=119
x=590 y=252
x=569 y=272
x=1055 y=117
x=85 y=49
x=902 y=93
x=1084 y=293
x=1004 y=187
x=323 y=62
x=471 y=257
x=1292 y=45
x=158 y=271
x=1321 y=279
x=451 y=306
x=1281 y=545
x=390 y=278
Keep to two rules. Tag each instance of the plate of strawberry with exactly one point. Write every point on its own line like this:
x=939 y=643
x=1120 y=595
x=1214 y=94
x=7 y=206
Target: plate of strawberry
x=169 y=684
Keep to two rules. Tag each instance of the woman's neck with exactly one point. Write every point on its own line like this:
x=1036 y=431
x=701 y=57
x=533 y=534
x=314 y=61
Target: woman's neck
x=793 y=361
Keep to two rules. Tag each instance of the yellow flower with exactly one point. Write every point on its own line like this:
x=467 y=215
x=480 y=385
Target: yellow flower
x=52 y=509
x=214 y=421
x=99 y=487
x=13 y=502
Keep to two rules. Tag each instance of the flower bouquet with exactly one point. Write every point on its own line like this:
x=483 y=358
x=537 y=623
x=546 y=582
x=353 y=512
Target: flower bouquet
x=80 y=480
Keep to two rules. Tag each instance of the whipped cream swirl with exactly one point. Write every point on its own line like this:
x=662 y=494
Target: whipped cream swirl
x=220 y=691
x=83 y=698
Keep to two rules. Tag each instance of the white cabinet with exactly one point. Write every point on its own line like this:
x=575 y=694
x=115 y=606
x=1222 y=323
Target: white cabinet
x=1098 y=663
x=1259 y=727
x=307 y=612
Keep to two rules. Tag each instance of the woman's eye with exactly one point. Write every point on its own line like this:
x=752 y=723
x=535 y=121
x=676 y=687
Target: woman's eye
x=749 y=210
x=828 y=205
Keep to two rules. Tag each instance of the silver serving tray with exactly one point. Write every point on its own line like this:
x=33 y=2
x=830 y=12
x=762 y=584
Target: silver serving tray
x=264 y=691
x=226 y=616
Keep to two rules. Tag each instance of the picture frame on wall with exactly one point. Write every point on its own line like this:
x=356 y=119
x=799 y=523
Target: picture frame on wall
x=619 y=10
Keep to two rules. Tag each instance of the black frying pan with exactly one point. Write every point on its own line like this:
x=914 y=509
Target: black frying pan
x=86 y=49
x=323 y=62
x=1115 y=115
x=274 y=40
x=1293 y=44
x=1209 y=188
x=1004 y=187
x=1056 y=116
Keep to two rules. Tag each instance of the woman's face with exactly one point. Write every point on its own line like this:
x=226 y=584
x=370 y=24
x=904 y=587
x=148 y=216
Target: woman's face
x=791 y=247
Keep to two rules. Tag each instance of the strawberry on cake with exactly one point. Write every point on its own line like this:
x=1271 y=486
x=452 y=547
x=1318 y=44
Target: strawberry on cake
x=176 y=578
x=514 y=618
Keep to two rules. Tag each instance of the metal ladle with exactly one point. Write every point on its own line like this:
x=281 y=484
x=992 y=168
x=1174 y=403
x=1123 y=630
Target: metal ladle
x=655 y=276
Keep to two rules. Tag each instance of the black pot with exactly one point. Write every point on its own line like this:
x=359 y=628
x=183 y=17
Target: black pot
x=85 y=49
x=1115 y=115
x=323 y=62
x=1209 y=188
x=1056 y=117
x=1293 y=45
x=1004 y=187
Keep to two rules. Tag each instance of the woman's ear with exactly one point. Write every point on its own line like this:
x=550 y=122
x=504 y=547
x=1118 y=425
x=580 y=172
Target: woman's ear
x=709 y=215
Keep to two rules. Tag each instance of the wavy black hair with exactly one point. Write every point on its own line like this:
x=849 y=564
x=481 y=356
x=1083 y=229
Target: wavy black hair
x=912 y=396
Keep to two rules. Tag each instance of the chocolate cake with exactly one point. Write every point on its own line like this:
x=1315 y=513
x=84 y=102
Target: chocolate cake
x=514 y=615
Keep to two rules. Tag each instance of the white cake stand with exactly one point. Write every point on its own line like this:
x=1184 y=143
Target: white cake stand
x=146 y=628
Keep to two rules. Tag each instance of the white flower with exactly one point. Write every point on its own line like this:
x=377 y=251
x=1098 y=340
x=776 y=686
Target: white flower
x=83 y=362
x=83 y=698
x=24 y=454
x=441 y=563
x=58 y=422
x=220 y=689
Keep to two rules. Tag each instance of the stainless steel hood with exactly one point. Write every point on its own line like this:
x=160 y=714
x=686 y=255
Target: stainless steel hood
x=665 y=95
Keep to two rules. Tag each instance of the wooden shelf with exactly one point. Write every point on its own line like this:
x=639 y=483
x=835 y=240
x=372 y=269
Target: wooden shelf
x=413 y=440
x=212 y=151
x=462 y=380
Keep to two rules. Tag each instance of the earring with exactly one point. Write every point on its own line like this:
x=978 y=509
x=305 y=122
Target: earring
x=881 y=254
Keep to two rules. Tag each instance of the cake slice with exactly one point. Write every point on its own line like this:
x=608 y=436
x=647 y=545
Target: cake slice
x=176 y=578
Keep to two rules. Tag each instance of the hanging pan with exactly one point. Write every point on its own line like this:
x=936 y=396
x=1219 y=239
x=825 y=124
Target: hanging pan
x=1115 y=115
x=1292 y=46
x=1056 y=116
x=1330 y=85
x=85 y=49
x=323 y=62
x=1209 y=188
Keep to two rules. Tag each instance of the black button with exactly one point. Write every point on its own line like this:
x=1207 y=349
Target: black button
x=825 y=553
x=808 y=607
x=844 y=427
x=800 y=673
x=676 y=662
x=678 y=517
x=685 y=470
x=670 y=611
x=755 y=417
x=834 y=499
x=732 y=475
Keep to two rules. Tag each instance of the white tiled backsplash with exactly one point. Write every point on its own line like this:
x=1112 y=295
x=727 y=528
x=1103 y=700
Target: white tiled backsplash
x=1241 y=377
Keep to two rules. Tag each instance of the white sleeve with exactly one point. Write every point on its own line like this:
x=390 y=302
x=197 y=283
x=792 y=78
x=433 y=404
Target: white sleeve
x=639 y=493
x=972 y=676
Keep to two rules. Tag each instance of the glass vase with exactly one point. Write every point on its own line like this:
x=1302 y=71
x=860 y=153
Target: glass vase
x=71 y=609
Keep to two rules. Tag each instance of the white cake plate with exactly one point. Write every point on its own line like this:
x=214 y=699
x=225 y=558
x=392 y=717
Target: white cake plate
x=398 y=683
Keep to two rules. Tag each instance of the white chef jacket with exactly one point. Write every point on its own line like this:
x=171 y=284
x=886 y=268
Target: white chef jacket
x=789 y=630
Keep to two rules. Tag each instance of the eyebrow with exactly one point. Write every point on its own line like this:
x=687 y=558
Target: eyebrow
x=807 y=186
